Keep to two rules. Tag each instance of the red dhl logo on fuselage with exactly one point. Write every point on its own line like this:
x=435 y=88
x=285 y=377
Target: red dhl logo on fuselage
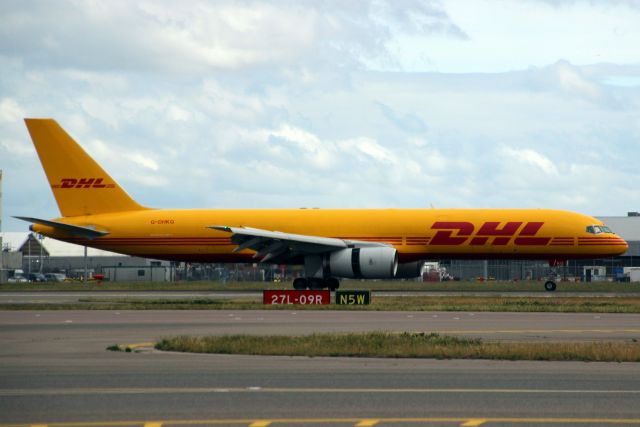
x=82 y=183
x=458 y=233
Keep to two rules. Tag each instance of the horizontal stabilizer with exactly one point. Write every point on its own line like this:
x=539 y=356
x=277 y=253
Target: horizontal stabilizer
x=75 y=230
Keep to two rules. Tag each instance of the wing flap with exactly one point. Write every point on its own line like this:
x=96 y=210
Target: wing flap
x=278 y=235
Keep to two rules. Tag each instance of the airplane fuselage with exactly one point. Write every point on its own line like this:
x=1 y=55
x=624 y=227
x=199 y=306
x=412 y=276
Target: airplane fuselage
x=417 y=234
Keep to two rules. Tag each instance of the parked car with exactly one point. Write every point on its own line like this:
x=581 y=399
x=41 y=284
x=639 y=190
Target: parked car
x=36 y=277
x=55 y=277
x=17 y=279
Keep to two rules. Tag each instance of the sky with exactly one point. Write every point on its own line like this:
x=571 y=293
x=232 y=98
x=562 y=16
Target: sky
x=331 y=104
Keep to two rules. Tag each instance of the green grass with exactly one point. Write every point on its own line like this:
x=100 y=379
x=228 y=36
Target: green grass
x=374 y=285
x=403 y=345
x=510 y=304
x=393 y=303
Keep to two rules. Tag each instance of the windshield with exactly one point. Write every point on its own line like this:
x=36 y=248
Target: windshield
x=597 y=229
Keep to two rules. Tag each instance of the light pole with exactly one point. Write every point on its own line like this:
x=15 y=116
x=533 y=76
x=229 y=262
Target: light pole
x=84 y=276
x=29 y=254
x=40 y=238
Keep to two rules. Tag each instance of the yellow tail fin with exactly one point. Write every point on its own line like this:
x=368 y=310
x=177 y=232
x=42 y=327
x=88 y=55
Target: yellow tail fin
x=79 y=184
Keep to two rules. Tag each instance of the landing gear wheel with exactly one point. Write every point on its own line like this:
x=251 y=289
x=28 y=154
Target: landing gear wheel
x=300 y=283
x=550 y=286
x=333 y=283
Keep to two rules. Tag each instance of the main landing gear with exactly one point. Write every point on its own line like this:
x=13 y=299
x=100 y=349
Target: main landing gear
x=302 y=283
x=550 y=284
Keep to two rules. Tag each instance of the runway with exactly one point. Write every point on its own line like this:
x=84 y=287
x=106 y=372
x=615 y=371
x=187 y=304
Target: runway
x=137 y=326
x=54 y=368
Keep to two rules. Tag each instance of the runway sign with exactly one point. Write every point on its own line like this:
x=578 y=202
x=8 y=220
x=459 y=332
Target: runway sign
x=353 y=297
x=287 y=297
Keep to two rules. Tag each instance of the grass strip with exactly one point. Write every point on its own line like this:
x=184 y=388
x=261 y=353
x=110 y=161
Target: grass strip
x=403 y=303
x=402 y=345
x=373 y=285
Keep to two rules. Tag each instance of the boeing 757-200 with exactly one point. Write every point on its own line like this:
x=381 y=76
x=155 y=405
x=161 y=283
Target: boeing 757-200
x=330 y=243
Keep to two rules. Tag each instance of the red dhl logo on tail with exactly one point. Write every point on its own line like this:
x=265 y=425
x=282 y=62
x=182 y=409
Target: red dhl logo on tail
x=457 y=233
x=82 y=183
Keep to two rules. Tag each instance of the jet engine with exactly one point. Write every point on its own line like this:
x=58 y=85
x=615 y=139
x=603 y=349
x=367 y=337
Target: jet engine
x=365 y=263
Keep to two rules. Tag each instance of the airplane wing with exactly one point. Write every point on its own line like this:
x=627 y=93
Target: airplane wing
x=75 y=230
x=276 y=246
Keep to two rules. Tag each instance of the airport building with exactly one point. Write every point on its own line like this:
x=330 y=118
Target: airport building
x=35 y=254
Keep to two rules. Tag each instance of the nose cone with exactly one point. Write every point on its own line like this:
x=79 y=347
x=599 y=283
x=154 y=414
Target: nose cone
x=624 y=247
x=608 y=245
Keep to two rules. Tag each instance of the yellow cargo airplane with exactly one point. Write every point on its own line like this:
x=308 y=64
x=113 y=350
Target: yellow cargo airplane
x=330 y=243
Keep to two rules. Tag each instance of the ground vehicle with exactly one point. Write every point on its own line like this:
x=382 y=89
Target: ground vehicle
x=17 y=279
x=55 y=277
x=17 y=276
x=36 y=277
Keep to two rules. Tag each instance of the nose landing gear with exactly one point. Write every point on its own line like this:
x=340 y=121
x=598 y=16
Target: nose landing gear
x=550 y=284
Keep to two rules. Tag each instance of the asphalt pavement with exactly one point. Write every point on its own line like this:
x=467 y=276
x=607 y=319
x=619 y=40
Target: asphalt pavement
x=54 y=369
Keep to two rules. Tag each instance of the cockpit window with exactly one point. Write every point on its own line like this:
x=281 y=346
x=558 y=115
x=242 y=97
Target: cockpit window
x=597 y=229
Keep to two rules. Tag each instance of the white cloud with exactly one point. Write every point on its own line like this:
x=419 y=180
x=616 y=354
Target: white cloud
x=126 y=161
x=320 y=154
x=514 y=35
x=306 y=140
x=223 y=102
x=571 y=81
x=199 y=36
x=149 y=181
x=531 y=157
x=372 y=149
x=143 y=161
x=230 y=35
x=179 y=114
x=16 y=148
x=10 y=111
x=106 y=80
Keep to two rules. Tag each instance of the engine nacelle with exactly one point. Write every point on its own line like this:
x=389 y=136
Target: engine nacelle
x=409 y=270
x=366 y=263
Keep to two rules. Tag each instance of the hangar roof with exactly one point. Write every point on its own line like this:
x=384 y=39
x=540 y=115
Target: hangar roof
x=627 y=227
